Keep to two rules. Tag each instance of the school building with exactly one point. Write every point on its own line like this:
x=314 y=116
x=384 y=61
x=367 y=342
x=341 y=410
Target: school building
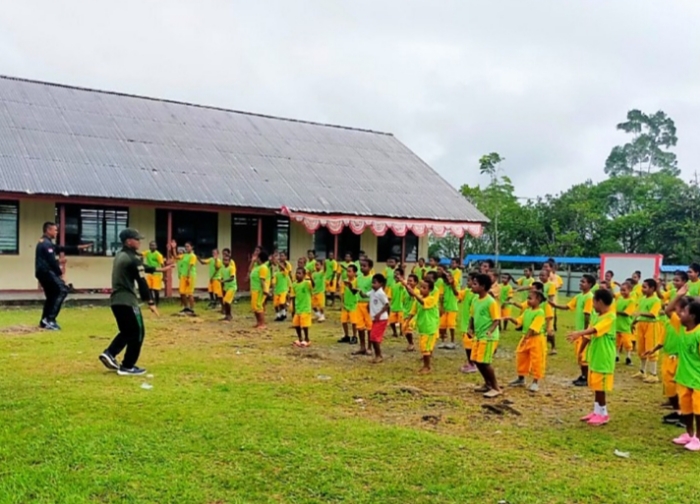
x=96 y=162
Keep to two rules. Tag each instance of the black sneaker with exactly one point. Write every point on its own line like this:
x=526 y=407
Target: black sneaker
x=581 y=381
x=134 y=371
x=672 y=418
x=681 y=424
x=628 y=361
x=617 y=359
x=49 y=326
x=344 y=339
x=109 y=361
x=353 y=340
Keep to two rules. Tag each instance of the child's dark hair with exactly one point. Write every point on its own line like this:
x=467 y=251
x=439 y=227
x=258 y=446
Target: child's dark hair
x=484 y=280
x=436 y=259
x=638 y=273
x=681 y=274
x=380 y=279
x=604 y=296
x=302 y=270
x=490 y=263
x=612 y=273
x=432 y=275
x=651 y=283
x=590 y=279
x=429 y=283
x=399 y=271
x=352 y=267
x=684 y=301
x=695 y=267
x=263 y=256
x=694 y=310
x=368 y=261
x=421 y=259
x=629 y=281
x=189 y=243
x=226 y=251
x=413 y=277
x=538 y=286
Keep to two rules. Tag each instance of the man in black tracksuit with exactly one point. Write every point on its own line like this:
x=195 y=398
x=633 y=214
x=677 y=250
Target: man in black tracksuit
x=127 y=270
x=47 y=270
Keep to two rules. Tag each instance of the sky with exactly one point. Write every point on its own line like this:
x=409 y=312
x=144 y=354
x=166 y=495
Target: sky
x=542 y=82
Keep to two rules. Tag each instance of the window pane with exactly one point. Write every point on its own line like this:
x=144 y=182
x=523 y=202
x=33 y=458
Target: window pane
x=349 y=242
x=323 y=242
x=411 y=247
x=9 y=227
x=389 y=245
x=93 y=224
x=199 y=228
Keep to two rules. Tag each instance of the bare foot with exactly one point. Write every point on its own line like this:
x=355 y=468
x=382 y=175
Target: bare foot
x=410 y=348
x=377 y=360
x=361 y=351
x=424 y=370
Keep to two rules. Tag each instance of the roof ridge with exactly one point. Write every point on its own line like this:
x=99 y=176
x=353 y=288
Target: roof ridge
x=189 y=104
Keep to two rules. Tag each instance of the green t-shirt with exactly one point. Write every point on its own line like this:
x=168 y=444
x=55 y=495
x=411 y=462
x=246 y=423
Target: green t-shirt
x=281 y=281
x=389 y=275
x=649 y=305
x=214 y=269
x=350 y=298
x=310 y=266
x=419 y=272
x=484 y=312
x=319 y=278
x=582 y=300
x=183 y=265
x=688 y=373
x=529 y=316
x=624 y=322
x=344 y=270
x=364 y=285
x=464 y=311
x=694 y=288
x=331 y=267
x=506 y=292
x=408 y=302
x=302 y=297
x=153 y=260
x=259 y=273
x=672 y=340
x=228 y=272
x=428 y=317
x=449 y=300
x=601 y=350
x=397 y=293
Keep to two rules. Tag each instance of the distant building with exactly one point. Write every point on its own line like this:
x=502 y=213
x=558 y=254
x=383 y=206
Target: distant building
x=97 y=161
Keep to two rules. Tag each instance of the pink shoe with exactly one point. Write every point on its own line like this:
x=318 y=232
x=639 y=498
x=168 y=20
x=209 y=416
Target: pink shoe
x=587 y=417
x=683 y=439
x=597 y=420
x=694 y=444
x=468 y=368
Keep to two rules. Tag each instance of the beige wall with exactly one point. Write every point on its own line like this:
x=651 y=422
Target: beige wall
x=85 y=272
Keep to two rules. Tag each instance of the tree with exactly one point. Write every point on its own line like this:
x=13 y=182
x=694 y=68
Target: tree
x=645 y=153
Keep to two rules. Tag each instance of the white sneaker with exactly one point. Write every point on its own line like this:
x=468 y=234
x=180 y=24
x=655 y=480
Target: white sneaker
x=534 y=387
x=321 y=318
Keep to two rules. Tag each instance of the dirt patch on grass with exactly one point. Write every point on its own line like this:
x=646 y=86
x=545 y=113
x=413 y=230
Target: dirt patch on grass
x=18 y=330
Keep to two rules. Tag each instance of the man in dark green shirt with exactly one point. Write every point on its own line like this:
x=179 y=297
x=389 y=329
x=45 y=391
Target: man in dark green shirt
x=128 y=270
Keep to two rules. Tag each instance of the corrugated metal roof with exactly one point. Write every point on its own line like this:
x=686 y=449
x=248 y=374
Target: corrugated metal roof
x=62 y=140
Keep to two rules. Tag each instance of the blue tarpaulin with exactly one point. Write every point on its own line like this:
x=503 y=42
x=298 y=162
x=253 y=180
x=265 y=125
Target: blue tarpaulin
x=531 y=259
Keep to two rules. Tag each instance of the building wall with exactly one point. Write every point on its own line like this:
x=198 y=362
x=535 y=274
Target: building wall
x=86 y=272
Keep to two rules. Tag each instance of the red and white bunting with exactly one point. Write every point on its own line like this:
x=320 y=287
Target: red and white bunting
x=380 y=225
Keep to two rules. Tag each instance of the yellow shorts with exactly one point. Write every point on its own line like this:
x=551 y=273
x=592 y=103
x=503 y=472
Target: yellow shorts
x=505 y=312
x=364 y=321
x=426 y=343
x=349 y=317
x=448 y=320
x=599 y=382
x=689 y=400
x=483 y=350
x=647 y=338
x=229 y=295
x=467 y=341
x=408 y=326
x=186 y=286
x=302 y=320
x=624 y=341
x=318 y=301
x=257 y=301
x=155 y=282
x=395 y=317
x=669 y=365
x=215 y=287
x=279 y=299
x=330 y=286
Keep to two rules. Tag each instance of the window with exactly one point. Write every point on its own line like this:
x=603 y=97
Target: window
x=275 y=234
x=9 y=227
x=324 y=242
x=389 y=245
x=93 y=224
x=200 y=228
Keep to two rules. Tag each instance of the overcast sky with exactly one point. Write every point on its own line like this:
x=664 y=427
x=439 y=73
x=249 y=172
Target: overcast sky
x=542 y=82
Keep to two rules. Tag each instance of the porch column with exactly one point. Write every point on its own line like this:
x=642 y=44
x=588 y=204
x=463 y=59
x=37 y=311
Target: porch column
x=168 y=274
x=461 y=251
x=403 y=250
x=62 y=235
x=260 y=233
x=335 y=246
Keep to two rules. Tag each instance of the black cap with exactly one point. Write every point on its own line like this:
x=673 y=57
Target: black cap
x=129 y=234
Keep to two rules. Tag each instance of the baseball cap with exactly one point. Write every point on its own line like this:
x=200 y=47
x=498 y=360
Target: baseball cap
x=129 y=234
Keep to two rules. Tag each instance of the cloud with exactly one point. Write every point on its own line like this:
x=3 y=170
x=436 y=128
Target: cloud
x=542 y=82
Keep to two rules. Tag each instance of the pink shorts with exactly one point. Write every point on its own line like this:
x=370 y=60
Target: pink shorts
x=376 y=334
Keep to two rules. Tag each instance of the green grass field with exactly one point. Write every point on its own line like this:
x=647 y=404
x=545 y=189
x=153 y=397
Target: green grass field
x=236 y=415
